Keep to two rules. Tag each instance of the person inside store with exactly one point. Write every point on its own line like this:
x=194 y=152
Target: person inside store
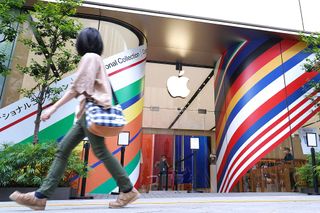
x=288 y=156
x=163 y=166
x=288 y=159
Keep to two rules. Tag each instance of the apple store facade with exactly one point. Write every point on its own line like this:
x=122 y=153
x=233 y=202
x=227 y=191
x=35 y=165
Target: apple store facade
x=220 y=101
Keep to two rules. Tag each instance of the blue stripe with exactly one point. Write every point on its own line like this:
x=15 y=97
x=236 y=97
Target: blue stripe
x=260 y=86
x=263 y=120
x=250 y=47
x=226 y=59
x=113 y=153
x=241 y=57
x=229 y=54
x=131 y=101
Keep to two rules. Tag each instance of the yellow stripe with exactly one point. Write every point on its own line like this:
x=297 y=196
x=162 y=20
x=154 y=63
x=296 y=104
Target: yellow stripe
x=174 y=202
x=226 y=201
x=265 y=70
x=134 y=110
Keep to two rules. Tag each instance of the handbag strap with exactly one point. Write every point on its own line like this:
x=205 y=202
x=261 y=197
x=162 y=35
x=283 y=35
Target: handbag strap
x=115 y=99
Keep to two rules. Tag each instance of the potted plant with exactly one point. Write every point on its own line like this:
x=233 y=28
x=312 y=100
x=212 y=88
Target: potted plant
x=23 y=167
x=304 y=174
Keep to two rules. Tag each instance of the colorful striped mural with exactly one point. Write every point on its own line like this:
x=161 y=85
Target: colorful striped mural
x=261 y=99
x=126 y=71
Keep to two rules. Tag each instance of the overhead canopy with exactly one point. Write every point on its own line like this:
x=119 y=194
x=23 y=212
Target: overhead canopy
x=171 y=38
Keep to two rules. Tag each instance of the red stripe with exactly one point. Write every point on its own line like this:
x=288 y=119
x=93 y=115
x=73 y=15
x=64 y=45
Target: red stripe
x=269 y=128
x=21 y=119
x=127 y=67
x=230 y=62
x=271 y=136
x=262 y=110
x=254 y=66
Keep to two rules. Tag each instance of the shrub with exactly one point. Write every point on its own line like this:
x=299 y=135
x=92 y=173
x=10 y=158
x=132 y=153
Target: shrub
x=26 y=165
x=305 y=173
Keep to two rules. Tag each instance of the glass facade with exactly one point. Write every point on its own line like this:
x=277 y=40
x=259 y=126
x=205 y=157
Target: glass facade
x=7 y=49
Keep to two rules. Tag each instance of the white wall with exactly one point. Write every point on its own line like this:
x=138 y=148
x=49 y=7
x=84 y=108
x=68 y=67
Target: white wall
x=279 y=14
x=156 y=95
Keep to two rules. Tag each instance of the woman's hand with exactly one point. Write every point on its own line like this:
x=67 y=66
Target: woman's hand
x=48 y=112
x=65 y=98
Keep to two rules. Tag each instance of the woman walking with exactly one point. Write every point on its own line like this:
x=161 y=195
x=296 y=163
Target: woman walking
x=92 y=83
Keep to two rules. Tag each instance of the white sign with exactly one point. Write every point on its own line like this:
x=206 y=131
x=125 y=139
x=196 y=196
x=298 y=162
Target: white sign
x=194 y=143
x=303 y=138
x=312 y=139
x=123 y=138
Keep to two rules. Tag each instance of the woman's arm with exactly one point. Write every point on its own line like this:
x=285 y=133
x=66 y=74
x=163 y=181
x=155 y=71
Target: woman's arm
x=83 y=83
x=70 y=94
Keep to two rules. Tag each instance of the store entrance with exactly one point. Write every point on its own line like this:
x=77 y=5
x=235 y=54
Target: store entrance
x=168 y=163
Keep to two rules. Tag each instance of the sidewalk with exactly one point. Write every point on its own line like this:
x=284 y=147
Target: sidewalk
x=188 y=202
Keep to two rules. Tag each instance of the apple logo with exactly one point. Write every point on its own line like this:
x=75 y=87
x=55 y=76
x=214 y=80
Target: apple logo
x=177 y=86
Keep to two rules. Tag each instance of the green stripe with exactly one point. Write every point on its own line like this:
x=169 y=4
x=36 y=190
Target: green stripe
x=130 y=91
x=110 y=184
x=55 y=131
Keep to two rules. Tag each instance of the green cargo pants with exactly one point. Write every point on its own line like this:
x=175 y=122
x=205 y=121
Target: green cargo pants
x=68 y=143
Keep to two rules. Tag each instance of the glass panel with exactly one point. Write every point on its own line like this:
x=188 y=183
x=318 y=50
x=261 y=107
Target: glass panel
x=5 y=48
x=276 y=172
x=163 y=161
x=168 y=163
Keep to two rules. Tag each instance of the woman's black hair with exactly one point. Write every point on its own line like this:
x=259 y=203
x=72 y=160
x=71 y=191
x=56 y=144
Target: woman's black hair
x=89 y=41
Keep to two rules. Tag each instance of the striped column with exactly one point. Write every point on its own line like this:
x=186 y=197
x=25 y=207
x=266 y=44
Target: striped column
x=261 y=99
x=126 y=73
